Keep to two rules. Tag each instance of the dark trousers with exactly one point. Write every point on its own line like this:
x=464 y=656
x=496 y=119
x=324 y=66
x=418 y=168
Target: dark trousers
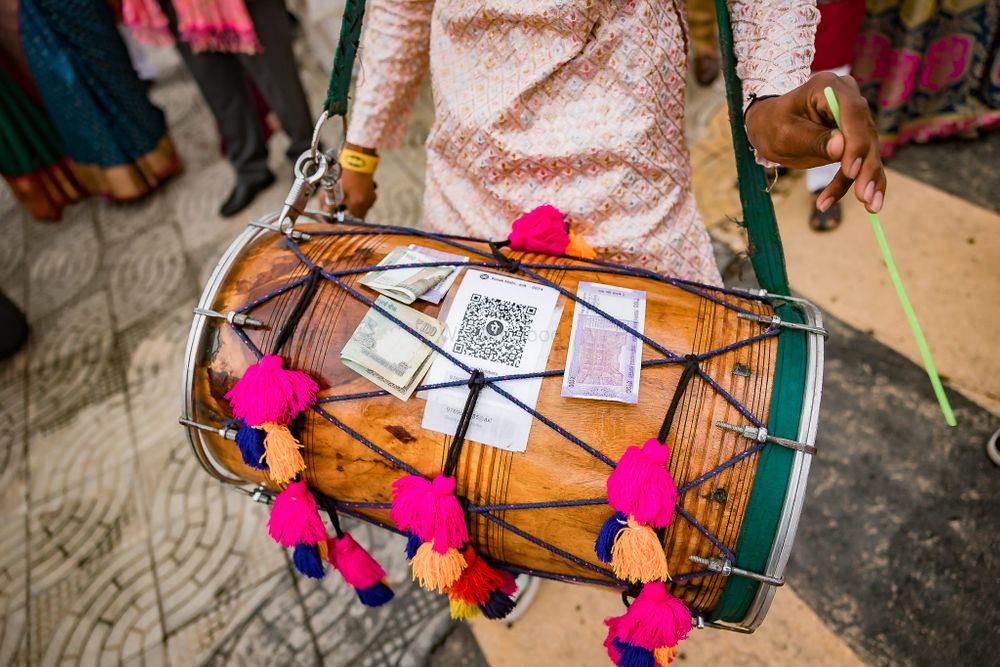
x=221 y=77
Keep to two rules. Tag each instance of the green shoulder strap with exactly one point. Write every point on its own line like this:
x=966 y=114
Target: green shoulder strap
x=766 y=253
x=343 y=62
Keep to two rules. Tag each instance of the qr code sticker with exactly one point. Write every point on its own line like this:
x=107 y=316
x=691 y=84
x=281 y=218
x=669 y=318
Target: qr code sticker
x=494 y=330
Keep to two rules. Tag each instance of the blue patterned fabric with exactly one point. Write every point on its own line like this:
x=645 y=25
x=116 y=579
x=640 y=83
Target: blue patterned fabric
x=82 y=70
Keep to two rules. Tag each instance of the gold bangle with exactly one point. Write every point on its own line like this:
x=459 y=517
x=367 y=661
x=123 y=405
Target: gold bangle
x=358 y=161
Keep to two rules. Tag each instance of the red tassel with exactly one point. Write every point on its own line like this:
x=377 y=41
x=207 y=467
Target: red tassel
x=269 y=393
x=478 y=580
x=641 y=485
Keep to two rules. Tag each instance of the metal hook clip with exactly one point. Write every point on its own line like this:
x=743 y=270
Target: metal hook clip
x=309 y=171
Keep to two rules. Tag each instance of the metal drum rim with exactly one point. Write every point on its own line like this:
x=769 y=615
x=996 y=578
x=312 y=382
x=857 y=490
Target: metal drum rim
x=791 y=512
x=193 y=346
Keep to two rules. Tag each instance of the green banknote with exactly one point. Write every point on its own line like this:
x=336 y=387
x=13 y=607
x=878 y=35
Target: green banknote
x=388 y=355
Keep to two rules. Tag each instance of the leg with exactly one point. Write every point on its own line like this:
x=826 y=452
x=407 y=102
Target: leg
x=701 y=25
x=223 y=84
x=276 y=73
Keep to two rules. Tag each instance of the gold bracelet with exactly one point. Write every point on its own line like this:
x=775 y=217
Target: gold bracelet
x=358 y=161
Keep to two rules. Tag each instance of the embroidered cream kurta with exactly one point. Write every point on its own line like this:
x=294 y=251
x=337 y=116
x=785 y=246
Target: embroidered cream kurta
x=575 y=103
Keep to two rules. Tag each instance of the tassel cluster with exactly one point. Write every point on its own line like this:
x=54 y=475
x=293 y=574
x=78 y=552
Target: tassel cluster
x=295 y=522
x=643 y=494
x=431 y=513
x=648 y=633
x=436 y=546
x=544 y=230
x=481 y=589
x=267 y=398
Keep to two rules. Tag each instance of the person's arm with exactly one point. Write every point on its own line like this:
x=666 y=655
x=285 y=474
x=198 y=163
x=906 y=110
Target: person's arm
x=393 y=58
x=774 y=50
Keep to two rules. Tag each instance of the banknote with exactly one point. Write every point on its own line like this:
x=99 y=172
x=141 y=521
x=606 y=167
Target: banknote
x=604 y=359
x=405 y=285
x=388 y=355
x=436 y=293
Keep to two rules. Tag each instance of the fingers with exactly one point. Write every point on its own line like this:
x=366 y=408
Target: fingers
x=860 y=159
x=836 y=189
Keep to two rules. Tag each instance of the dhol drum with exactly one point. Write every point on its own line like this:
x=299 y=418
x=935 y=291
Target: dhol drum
x=740 y=372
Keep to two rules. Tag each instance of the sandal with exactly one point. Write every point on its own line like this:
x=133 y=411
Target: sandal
x=825 y=221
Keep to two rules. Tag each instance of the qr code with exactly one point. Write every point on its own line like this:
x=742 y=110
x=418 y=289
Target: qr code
x=494 y=330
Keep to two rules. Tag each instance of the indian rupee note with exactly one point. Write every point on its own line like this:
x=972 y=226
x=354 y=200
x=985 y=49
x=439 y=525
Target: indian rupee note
x=604 y=359
x=388 y=355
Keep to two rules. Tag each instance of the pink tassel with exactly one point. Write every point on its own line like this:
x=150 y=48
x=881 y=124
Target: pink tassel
x=355 y=564
x=430 y=511
x=294 y=518
x=541 y=230
x=656 y=619
x=269 y=393
x=609 y=642
x=641 y=484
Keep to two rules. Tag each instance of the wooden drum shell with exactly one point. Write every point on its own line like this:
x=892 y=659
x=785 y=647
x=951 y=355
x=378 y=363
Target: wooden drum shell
x=552 y=468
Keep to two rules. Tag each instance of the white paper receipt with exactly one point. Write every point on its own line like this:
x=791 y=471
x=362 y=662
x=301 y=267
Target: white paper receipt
x=502 y=326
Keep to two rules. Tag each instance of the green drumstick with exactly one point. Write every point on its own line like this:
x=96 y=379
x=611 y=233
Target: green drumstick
x=918 y=333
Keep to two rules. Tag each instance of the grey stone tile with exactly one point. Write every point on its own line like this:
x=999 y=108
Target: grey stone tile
x=106 y=613
x=145 y=275
x=84 y=454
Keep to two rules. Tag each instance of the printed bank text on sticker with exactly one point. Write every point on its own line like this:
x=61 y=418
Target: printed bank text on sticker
x=502 y=326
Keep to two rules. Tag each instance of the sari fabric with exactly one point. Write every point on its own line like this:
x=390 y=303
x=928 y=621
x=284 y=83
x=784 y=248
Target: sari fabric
x=930 y=68
x=77 y=122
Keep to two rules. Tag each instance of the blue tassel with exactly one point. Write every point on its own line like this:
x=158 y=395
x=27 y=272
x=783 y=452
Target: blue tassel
x=606 y=538
x=251 y=443
x=632 y=655
x=307 y=561
x=412 y=544
x=376 y=595
x=497 y=606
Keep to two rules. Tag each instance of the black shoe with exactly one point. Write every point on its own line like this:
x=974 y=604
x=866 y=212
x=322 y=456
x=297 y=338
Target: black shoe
x=13 y=328
x=243 y=195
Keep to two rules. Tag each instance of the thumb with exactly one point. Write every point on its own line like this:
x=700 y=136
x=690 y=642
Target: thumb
x=835 y=146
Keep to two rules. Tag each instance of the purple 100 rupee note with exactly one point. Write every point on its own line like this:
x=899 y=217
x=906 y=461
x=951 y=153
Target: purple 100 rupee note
x=604 y=359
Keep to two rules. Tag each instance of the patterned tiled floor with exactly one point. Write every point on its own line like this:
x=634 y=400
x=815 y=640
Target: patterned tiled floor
x=115 y=548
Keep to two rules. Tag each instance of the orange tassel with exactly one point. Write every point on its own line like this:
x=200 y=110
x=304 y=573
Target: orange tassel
x=637 y=554
x=324 y=550
x=281 y=451
x=579 y=248
x=437 y=571
x=664 y=655
x=462 y=610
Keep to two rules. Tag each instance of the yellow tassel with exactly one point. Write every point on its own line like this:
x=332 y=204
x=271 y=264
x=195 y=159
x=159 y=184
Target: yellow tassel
x=462 y=610
x=579 y=248
x=437 y=571
x=637 y=554
x=324 y=550
x=664 y=655
x=281 y=451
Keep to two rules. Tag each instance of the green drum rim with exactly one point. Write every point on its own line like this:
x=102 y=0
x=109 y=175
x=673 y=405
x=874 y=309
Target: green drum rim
x=774 y=467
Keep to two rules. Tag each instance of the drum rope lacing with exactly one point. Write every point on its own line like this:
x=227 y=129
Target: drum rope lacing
x=691 y=363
